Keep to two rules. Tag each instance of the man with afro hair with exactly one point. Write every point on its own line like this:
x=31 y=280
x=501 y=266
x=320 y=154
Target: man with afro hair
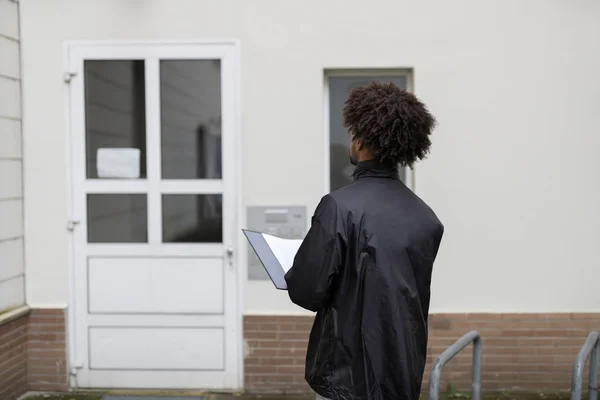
x=365 y=265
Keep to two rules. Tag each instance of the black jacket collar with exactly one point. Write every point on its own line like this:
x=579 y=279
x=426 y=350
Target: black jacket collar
x=375 y=169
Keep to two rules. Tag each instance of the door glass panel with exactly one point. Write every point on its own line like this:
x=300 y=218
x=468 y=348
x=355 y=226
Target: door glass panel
x=192 y=218
x=117 y=218
x=190 y=110
x=115 y=118
x=340 y=168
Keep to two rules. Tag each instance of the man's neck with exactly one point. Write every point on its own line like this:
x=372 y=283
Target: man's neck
x=375 y=168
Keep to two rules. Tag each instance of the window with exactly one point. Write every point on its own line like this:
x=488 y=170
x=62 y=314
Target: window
x=188 y=143
x=338 y=85
x=115 y=96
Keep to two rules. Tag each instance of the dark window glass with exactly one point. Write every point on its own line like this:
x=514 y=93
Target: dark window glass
x=117 y=218
x=190 y=110
x=115 y=110
x=192 y=218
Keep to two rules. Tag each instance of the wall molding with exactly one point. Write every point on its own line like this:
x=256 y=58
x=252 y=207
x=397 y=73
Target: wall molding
x=13 y=314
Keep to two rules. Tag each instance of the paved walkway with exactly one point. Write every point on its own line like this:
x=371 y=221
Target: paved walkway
x=98 y=396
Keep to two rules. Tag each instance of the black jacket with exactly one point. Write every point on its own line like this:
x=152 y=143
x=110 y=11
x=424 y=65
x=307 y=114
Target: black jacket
x=365 y=268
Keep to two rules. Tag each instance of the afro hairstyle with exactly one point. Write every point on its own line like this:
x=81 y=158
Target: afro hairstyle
x=391 y=122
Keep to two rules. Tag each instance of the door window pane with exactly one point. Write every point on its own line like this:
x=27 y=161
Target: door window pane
x=117 y=218
x=192 y=218
x=340 y=168
x=115 y=111
x=190 y=109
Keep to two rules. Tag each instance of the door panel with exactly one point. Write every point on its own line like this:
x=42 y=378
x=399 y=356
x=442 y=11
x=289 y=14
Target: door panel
x=156 y=285
x=154 y=189
x=143 y=348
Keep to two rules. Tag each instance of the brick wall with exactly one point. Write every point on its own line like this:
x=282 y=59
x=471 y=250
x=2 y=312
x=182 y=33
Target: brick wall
x=33 y=353
x=13 y=358
x=524 y=352
x=521 y=352
x=276 y=348
x=47 y=350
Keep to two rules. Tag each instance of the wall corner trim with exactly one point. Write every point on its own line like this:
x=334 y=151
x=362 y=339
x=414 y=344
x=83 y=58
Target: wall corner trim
x=13 y=314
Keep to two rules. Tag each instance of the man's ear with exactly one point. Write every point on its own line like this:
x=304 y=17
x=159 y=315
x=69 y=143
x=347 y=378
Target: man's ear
x=359 y=144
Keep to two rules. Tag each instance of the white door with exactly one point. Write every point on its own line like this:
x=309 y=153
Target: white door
x=154 y=205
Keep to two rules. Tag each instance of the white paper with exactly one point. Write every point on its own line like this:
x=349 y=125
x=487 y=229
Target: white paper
x=283 y=249
x=118 y=163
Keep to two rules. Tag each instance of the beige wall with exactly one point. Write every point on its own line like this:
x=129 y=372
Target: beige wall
x=11 y=156
x=514 y=172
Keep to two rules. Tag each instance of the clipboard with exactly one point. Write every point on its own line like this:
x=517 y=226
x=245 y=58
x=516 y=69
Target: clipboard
x=275 y=254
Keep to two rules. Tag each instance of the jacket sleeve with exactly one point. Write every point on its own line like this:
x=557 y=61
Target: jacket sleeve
x=318 y=260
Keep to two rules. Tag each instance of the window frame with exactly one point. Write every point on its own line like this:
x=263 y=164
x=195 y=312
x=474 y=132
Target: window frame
x=407 y=73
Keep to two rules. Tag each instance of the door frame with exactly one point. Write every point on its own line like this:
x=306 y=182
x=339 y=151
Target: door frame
x=74 y=361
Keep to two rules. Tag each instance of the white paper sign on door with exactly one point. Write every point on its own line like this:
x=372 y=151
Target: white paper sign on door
x=118 y=163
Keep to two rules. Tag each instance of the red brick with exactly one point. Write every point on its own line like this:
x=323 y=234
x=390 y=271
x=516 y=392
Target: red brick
x=529 y=352
x=521 y=351
x=13 y=358
x=47 y=350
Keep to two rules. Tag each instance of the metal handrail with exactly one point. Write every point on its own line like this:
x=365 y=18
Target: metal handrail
x=591 y=346
x=449 y=354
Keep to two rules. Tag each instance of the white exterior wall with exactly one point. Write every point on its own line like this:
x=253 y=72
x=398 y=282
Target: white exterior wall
x=12 y=289
x=514 y=171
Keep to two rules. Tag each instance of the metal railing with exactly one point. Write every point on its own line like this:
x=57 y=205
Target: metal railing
x=590 y=347
x=449 y=354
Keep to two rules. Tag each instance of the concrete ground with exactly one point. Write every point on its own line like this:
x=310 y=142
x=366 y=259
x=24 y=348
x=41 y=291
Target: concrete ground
x=454 y=396
x=98 y=396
